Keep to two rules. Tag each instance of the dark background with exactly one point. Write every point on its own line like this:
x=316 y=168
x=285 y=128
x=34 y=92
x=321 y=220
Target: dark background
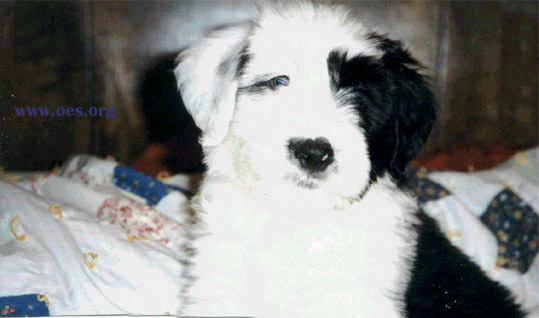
x=482 y=55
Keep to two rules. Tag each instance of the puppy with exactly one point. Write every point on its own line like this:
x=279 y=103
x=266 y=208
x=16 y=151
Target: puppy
x=308 y=122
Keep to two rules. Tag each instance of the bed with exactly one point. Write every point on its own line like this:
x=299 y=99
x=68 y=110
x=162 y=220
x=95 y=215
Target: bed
x=94 y=237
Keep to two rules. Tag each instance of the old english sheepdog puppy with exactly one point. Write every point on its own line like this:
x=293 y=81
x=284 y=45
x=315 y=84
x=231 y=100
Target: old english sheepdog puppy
x=308 y=122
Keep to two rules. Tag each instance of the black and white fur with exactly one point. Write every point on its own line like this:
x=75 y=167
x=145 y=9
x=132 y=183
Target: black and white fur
x=308 y=122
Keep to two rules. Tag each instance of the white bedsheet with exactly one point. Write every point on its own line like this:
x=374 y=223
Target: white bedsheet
x=129 y=277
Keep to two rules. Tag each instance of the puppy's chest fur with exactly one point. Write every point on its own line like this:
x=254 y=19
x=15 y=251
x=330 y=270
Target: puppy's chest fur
x=276 y=256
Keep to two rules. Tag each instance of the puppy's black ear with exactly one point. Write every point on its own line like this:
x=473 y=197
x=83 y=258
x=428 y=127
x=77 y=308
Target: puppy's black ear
x=207 y=77
x=413 y=111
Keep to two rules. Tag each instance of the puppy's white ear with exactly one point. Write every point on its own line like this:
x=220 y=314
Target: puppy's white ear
x=208 y=80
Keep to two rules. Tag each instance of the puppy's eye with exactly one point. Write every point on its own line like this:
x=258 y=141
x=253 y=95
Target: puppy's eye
x=278 y=81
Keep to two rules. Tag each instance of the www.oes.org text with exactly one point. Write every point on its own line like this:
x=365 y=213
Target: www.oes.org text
x=107 y=112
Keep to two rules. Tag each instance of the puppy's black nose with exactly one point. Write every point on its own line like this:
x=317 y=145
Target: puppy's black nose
x=313 y=155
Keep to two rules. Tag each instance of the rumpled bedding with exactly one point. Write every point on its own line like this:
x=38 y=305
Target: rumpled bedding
x=95 y=237
x=492 y=216
x=84 y=242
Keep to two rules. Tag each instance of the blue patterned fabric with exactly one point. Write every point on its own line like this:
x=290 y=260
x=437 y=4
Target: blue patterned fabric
x=516 y=227
x=424 y=189
x=31 y=305
x=514 y=223
x=143 y=185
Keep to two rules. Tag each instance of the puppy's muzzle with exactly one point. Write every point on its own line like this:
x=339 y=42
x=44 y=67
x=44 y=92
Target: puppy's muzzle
x=312 y=155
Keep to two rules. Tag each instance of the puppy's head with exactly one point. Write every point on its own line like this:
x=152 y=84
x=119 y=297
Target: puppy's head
x=303 y=95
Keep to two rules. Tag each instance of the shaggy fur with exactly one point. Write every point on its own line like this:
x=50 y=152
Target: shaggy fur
x=308 y=121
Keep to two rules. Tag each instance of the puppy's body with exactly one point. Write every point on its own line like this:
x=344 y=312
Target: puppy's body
x=292 y=255
x=308 y=121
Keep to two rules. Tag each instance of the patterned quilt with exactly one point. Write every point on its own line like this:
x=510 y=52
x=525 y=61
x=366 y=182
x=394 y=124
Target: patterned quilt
x=492 y=216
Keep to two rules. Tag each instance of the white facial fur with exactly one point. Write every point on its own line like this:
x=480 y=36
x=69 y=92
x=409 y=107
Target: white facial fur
x=257 y=126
